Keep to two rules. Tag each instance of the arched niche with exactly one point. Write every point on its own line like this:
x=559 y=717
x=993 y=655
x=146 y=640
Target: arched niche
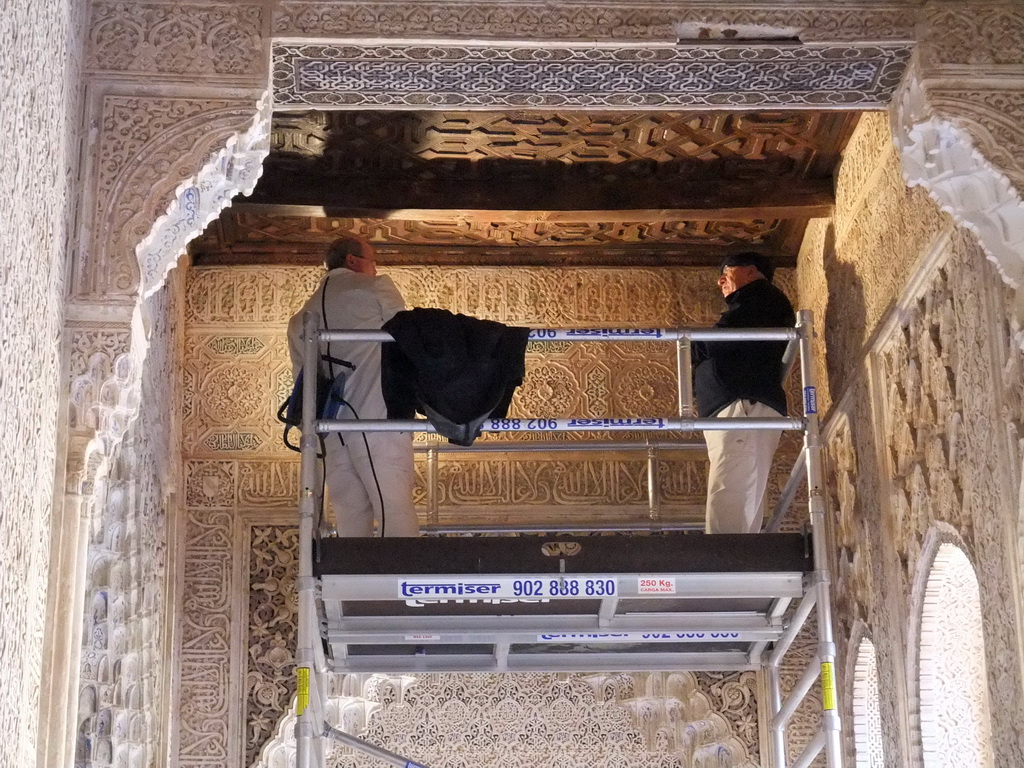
x=866 y=726
x=948 y=644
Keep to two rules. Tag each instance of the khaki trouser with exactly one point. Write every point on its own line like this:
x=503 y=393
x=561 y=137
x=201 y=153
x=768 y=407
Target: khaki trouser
x=362 y=492
x=741 y=460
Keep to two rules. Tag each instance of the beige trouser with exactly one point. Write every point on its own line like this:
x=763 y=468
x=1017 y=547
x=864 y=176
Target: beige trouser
x=362 y=492
x=741 y=460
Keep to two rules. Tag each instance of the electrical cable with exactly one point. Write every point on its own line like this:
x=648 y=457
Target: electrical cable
x=330 y=363
x=373 y=469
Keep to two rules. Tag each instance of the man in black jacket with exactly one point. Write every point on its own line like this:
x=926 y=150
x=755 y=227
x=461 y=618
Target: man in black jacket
x=742 y=379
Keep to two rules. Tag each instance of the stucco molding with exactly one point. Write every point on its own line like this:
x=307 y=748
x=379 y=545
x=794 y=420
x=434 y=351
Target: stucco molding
x=578 y=20
x=941 y=156
x=148 y=150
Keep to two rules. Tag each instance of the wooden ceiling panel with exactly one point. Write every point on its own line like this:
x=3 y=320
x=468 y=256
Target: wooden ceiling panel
x=525 y=187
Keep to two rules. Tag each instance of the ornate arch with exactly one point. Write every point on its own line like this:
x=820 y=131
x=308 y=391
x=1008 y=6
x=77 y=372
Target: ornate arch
x=861 y=691
x=148 y=145
x=946 y=657
x=141 y=168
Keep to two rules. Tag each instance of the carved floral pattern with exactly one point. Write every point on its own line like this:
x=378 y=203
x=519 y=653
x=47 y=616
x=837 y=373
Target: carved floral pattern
x=176 y=39
x=270 y=671
x=41 y=60
x=543 y=719
x=985 y=34
x=578 y=20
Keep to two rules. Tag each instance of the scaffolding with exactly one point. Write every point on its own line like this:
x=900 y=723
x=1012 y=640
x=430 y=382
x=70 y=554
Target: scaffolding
x=667 y=601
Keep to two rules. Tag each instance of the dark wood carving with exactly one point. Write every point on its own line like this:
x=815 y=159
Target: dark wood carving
x=614 y=188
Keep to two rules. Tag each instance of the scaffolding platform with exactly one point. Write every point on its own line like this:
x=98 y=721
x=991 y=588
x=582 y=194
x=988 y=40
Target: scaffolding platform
x=553 y=604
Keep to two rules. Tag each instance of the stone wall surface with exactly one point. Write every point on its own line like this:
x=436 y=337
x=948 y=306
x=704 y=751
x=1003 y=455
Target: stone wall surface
x=924 y=435
x=914 y=393
x=41 y=62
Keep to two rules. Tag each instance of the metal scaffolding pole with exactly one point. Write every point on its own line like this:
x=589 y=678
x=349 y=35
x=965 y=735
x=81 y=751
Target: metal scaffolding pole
x=826 y=650
x=306 y=671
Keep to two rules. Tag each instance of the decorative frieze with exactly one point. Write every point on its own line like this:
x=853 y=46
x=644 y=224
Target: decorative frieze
x=450 y=76
x=639 y=21
x=222 y=40
x=205 y=667
x=983 y=35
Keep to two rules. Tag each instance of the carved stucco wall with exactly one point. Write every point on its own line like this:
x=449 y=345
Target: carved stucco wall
x=123 y=694
x=521 y=720
x=162 y=152
x=41 y=60
x=205 y=64
x=925 y=381
x=238 y=477
x=237 y=370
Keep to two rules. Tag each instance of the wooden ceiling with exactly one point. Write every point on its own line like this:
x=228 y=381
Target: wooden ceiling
x=534 y=188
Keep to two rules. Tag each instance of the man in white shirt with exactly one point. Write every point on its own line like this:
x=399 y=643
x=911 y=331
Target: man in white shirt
x=369 y=475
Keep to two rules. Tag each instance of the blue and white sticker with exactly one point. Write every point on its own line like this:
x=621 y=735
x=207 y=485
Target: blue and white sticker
x=636 y=637
x=482 y=588
x=810 y=400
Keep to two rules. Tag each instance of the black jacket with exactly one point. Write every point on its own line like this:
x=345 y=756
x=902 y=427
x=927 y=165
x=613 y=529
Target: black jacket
x=726 y=371
x=459 y=368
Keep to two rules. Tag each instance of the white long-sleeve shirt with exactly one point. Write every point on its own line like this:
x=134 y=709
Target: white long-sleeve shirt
x=353 y=301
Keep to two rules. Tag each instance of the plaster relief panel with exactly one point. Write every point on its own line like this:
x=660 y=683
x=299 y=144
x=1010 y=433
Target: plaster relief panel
x=458 y=76
x=984 y=34
x=147 y=146
x=944 y=463
x=205 y=669
x=39 y=102
x=177 y=39
x=580 y=21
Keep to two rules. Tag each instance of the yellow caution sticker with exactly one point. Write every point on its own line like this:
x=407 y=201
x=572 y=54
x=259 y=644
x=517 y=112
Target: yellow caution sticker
x=828 y=686
x=302 y=699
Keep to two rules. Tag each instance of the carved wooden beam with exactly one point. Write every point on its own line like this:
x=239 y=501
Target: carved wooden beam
x=796 y=200
x=635 y=255
x=595 y=200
